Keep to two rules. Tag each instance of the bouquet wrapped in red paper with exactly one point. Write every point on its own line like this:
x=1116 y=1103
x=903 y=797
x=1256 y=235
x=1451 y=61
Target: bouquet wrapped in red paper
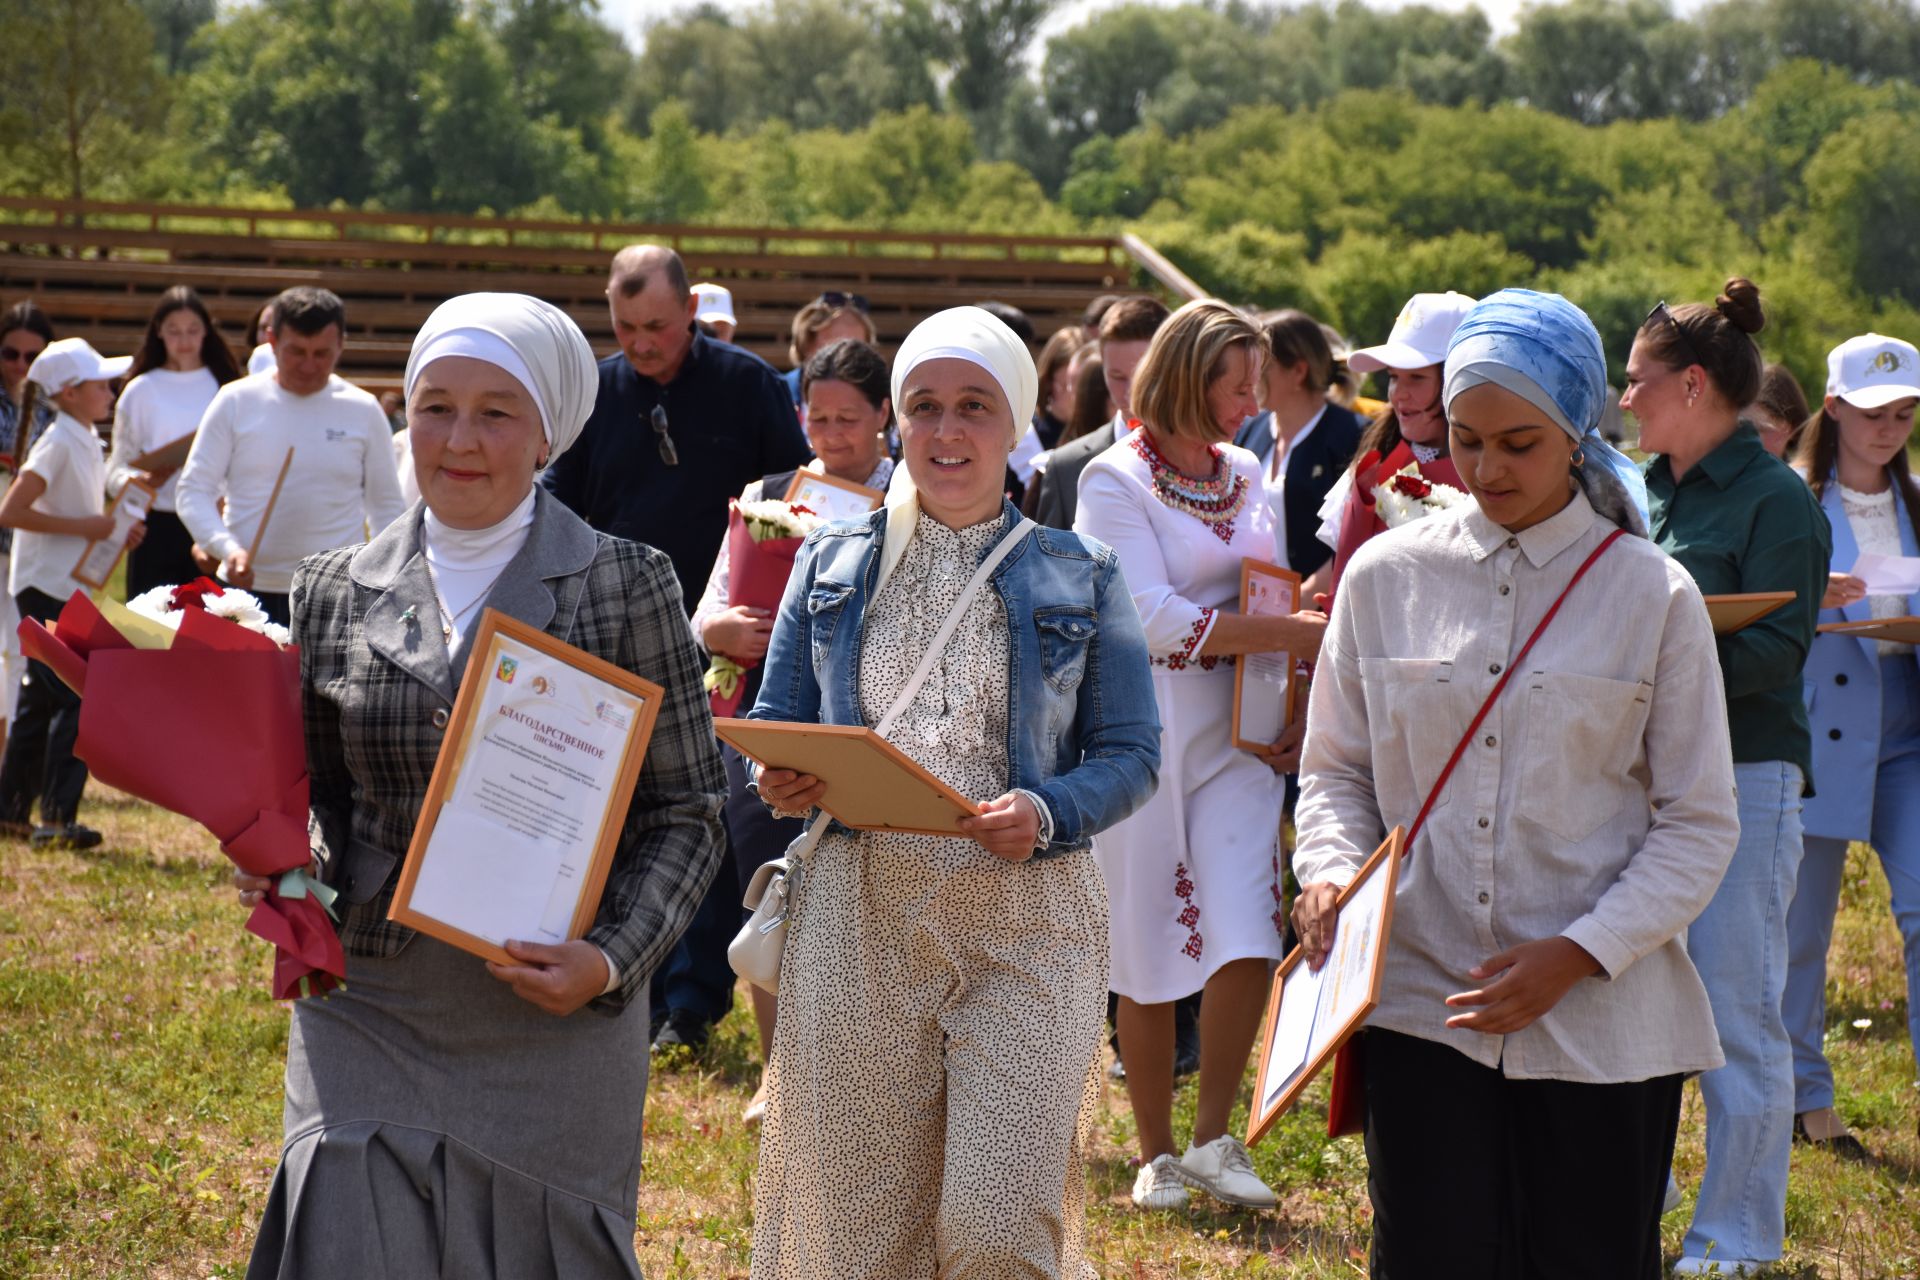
x=763 y=538
x=190 y=700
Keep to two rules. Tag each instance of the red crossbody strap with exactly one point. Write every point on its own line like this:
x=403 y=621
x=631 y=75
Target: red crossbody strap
x=1461 y=749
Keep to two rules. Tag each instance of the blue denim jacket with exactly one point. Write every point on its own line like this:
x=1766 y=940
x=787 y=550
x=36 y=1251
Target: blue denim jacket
x=1083 y=732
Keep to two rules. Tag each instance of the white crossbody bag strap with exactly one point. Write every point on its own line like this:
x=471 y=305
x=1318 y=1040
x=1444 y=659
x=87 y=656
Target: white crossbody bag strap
x=932 y=656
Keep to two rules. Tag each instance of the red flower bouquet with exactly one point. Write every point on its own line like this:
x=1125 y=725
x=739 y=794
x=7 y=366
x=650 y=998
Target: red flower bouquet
x=763 y=539
x=200 y=714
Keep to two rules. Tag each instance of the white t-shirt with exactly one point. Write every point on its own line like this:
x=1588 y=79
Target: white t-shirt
x=68 y=457
x=262 y=360
x=157 y=408
x=340 y=490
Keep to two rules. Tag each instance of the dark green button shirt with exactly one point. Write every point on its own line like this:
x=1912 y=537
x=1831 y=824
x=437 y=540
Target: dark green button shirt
x=1743 y=521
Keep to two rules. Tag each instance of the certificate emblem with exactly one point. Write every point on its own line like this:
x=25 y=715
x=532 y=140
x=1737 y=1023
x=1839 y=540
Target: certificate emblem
x=507 y=669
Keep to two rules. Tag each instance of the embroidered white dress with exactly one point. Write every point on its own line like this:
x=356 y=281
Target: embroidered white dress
x=1193 y=877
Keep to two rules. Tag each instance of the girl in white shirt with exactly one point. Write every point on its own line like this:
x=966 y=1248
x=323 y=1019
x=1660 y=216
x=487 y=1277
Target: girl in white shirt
x=1523 y=1068
x=181 y=363
x=57 y=505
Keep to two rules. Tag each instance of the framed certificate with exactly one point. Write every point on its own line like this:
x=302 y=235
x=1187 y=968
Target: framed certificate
x=1263 y=682
x=1731 y=613
x=99 y=558
x=1905 y=630
x=872 y=785
x=1310 y=1015
x=831 y=498
x=528 y=795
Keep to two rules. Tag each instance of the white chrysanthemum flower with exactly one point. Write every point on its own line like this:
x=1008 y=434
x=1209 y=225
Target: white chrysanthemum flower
x=276 y=633
x=236 y=606
x=156 y=606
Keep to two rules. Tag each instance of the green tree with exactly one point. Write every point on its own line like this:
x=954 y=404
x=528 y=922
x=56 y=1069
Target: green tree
x=1863 y=186
x=175 y=23
x=987 y=39
x=81 y=107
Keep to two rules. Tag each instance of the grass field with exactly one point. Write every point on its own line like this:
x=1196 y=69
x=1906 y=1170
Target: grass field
x=140 y=1066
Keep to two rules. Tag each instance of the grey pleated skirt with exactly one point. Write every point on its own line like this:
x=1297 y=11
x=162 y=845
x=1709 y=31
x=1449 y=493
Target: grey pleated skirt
x=439 y=1125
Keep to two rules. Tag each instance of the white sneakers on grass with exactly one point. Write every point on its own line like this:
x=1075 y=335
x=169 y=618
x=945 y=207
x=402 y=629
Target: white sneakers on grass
x=1222 y=1168
x=1158 y=1185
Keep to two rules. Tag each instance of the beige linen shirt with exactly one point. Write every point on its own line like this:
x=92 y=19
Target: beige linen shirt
x=1595 y=802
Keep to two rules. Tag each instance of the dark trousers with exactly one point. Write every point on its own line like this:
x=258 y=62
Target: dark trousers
x=696 y=982
x=164 y=557
x=39 y=761
x=278 y=606
x=1479 y=1177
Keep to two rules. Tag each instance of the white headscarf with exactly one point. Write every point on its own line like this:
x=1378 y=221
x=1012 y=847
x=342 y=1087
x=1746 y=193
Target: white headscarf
x=959 y=333
x=534 y=341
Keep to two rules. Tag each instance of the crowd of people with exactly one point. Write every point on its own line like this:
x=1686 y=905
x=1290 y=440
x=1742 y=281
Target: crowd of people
x=1625 y=831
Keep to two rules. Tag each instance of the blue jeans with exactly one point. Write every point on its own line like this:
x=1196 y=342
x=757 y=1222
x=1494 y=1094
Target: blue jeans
x=1739 y=945
x=1896 y=838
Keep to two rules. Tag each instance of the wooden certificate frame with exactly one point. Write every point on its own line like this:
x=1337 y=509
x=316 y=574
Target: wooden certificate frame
x=1379 y=877
x=872 y=785
x=1903 y=630
x=1734 y=612
x=494 y=645
x=136 y=488
x=803 y=477
x=1253 y=573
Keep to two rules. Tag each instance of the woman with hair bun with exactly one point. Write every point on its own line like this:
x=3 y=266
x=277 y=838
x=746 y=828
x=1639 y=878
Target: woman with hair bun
x=1739 y=520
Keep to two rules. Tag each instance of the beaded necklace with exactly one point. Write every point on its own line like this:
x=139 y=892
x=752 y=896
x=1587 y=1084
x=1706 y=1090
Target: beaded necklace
x=1216 y=501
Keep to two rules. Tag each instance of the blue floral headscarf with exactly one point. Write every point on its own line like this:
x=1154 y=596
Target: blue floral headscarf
x=1543 y=349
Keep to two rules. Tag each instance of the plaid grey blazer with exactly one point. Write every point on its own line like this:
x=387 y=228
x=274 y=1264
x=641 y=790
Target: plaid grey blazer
x=378 y=688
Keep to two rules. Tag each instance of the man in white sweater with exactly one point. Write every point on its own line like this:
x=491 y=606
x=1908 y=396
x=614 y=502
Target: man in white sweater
x=341 y=488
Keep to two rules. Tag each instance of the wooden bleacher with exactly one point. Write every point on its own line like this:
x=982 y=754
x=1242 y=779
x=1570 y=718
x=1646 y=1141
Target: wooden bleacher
x=97 y=268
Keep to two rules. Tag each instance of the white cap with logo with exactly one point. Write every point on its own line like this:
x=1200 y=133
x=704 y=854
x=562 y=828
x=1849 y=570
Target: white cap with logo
x=1873 y=370
x=70 y=360
x=716 y=304
x=1419 y=336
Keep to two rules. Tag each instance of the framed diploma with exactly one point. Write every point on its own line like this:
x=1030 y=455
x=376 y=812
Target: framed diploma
x=1731 y=613
x=833 y=499
x=528 y=795
x=100 y=557
x=1310 y=1015
x=1263 y=682
x=872 y=785
x=1905 y=630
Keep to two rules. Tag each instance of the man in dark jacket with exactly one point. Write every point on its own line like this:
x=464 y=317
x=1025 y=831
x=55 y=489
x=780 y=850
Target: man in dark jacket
x=1126 y=330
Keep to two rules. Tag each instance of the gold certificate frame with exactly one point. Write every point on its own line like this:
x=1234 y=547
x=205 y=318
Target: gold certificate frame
x=821 y=494
x=1310 y=1015
x=872 y=785
x=1263 y=683
x=100 y=557
x=1732 y=613
x=529 y=793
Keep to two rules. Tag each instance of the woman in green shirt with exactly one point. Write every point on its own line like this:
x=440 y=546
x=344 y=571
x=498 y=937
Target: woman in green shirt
x=1738 y=520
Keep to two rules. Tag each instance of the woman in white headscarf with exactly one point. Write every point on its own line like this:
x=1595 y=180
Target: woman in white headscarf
x=941 y=998
x=444 y=1115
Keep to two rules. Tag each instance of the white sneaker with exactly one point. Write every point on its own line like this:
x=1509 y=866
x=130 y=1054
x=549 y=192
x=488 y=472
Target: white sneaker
x=1692 y=1266
x=1159 y=1185
x=1224 y=1170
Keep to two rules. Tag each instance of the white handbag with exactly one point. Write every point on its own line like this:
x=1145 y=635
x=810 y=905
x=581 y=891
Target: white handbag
x=755 y=951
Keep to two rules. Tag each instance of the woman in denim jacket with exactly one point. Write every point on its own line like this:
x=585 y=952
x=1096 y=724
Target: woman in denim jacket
x=941 y=998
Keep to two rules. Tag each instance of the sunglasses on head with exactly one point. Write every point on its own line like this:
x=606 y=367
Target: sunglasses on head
x=1663 y=312
x=835 y=299
x=668 y=454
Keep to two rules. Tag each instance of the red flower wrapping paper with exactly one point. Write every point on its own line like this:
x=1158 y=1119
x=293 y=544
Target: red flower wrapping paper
x=209 y=729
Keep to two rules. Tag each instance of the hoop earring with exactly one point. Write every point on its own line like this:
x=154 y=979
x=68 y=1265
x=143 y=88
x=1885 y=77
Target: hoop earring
x=1579 y=457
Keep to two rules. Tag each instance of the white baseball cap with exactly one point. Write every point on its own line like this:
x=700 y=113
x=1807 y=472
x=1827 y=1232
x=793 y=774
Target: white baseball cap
x=70 y=360
x=716 y=304
x=1419 y=336
x=1872 y=370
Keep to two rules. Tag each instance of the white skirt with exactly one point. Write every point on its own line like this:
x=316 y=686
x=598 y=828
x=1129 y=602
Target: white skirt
x=1194 y=877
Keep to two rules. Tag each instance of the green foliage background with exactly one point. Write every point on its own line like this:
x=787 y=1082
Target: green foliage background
x=1327 y=155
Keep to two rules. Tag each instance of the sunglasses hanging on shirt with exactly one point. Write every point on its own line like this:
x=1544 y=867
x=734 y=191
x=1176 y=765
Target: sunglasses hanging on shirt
x=668 y=454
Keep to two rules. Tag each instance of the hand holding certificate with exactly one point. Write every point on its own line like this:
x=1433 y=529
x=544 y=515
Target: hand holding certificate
x=528 y=795
x=1263 y=682
x=1310 y=1013
x=831 y=498
x=99 y=558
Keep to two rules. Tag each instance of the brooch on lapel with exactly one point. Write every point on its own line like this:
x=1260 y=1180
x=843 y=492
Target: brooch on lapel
x=1318 y=467
x=410 y=617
